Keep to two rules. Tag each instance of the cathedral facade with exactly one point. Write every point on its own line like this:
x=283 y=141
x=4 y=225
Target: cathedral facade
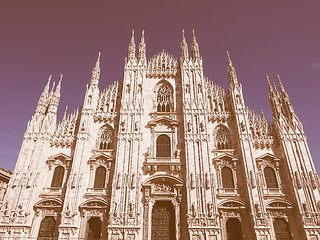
x=163 y=154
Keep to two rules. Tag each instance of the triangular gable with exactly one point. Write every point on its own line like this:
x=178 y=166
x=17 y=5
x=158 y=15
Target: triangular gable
x=101 y=155
x=225 y=155
x=167 y=120
x=60 y=155
x=268 y=156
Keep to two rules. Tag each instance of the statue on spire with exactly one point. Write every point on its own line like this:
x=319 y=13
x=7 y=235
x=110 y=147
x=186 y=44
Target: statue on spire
x=142 y=49
x=132 y=48
x=195 y=47
x=96 y=72
x=184 y=48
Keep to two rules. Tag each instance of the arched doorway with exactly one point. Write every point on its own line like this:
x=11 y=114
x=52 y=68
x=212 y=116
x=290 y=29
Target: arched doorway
x=47 y=227
x=163 y=221
x=234 y=231
x=94 y=228
x=281 y=229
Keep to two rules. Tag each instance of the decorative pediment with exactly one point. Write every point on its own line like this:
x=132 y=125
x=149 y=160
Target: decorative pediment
x=232 y=204
x=268 y=156
x=101 y=158
x=162 y=64
x=95 y=203
x=278 y=204
x=162 y=185
x=49 y=203
x=268 y=160
x=163 y=123
x=59 y=159
x=224 y=158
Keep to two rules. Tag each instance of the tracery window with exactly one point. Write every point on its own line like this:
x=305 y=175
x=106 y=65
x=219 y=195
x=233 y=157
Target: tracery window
x=100 y=177
x=270 y=177
x=227 y=177
x=164 y=99
x=163 y=146
x=222 y=139
x=58 y=176
x=105 y=139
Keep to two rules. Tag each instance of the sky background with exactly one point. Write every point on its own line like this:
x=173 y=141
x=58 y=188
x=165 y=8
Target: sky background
x=39 y=38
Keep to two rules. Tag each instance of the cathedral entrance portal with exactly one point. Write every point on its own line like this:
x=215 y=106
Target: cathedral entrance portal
x=163 y=221
x=234 y=231
x=94 y=228
x=281 y=229
x=47 y=228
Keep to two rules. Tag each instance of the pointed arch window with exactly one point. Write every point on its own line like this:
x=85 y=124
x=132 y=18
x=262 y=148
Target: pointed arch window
x=58 y=176
x=164 y=99
x=100 y=177
x=163 y=146
x=227 y=177
x=222 y=139
x=105 y=140
x=270 y=177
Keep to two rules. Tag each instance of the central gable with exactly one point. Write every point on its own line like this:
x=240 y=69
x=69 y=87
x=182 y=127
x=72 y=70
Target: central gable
x=162 y=64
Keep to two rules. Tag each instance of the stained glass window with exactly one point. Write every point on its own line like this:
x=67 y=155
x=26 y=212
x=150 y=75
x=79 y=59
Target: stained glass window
x=164 y=94
x=222 y=139
x=105 y=139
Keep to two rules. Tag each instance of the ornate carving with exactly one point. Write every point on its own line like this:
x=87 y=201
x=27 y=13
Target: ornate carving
x=161 y=187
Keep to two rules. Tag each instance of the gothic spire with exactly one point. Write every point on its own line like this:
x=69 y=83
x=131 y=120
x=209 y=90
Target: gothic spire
x=57 y=92
x=132 y=48
x=184 y=47
x=195 y=47
x=142 y=49
x=96 y=72
x=269 y=86
x=232 y=72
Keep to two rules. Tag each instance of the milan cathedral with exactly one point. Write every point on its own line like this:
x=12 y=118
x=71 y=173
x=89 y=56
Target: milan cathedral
x=163 y=154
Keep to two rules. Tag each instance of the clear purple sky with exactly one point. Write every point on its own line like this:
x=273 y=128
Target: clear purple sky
x=39 y=38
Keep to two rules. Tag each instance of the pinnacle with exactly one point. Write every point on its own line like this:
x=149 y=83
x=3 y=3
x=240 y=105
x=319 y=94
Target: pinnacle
x=229 y=59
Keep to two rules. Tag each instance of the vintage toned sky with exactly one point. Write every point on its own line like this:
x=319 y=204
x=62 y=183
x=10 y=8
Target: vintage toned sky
x=39 y=38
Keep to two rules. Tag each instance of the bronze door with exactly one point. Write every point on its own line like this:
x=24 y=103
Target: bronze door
x=47 y=228
x=163 y=221
x=281 y=229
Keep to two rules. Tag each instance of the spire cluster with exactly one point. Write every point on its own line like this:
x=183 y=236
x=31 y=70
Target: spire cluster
x=280 y=101
x=48 y=98
x=195 y=53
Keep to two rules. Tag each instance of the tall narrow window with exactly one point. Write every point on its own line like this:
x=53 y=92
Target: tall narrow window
x=163 y=146
x=164 y=95
x=227 y=177
x=105 y=139
x=270 y=177
x=222 y=139
x=47 y=227
x=100 y=178
x=57 y=178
